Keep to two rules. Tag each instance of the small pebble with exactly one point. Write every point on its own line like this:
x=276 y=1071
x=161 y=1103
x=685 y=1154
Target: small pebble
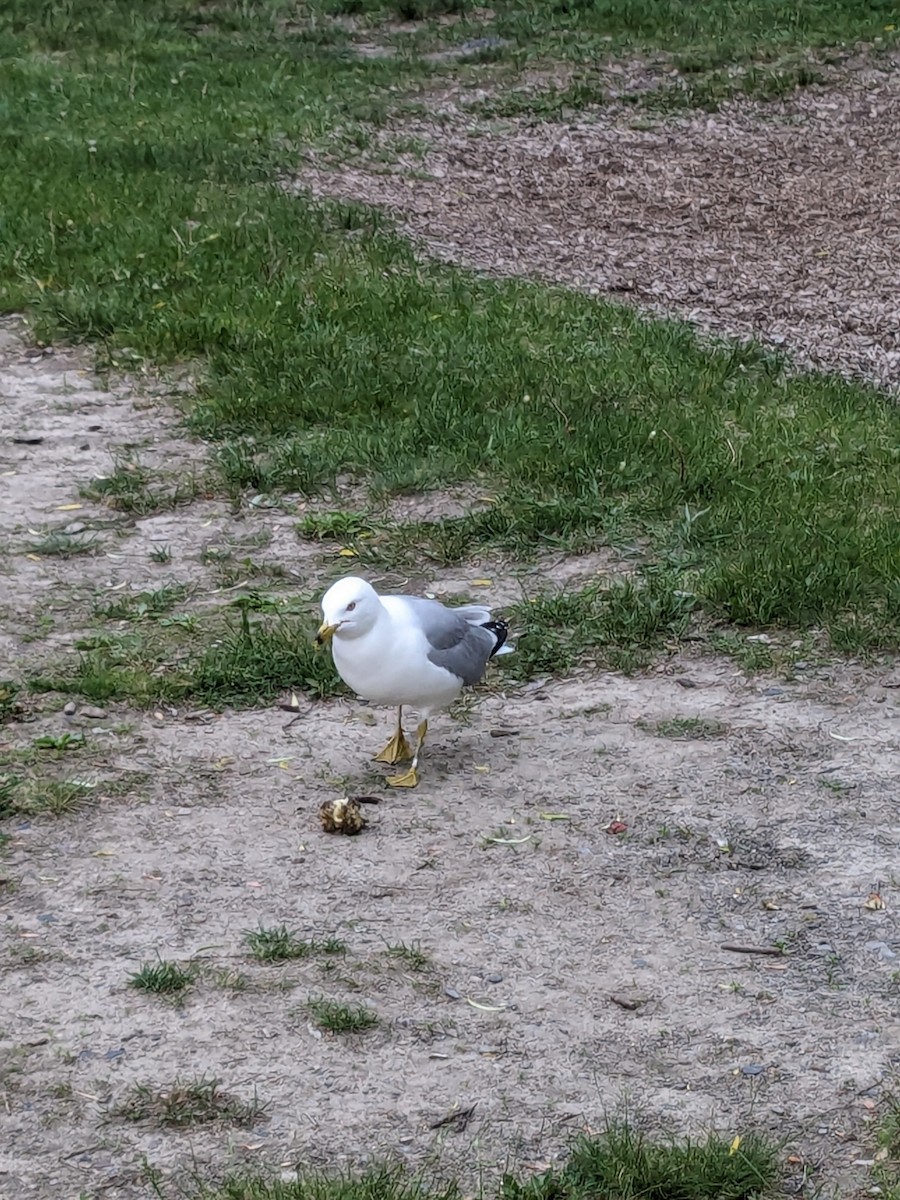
x=93 y=713
x=452 y=993
x=70 y=708
x=752 y=1069
x=773 y=691
x=493 y=978
x=74 y=527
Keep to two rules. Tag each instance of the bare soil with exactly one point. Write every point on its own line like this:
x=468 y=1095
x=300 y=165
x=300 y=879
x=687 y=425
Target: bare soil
x=505 y=867
x=763 y=220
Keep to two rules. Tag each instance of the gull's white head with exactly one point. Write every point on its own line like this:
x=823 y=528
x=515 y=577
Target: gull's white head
x=350 y=608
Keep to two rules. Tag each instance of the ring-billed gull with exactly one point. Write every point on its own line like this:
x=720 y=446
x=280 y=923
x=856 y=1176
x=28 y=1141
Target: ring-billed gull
x=406 y=650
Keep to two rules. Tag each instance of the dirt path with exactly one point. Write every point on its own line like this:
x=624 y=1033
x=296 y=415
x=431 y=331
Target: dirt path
x=762 y=220
x=767 y=823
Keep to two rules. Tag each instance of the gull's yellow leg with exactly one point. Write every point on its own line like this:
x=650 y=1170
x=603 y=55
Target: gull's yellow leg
x=411 y=777
x=397 y=749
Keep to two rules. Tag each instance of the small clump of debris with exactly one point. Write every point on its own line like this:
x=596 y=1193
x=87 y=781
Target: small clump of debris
x=342 y=816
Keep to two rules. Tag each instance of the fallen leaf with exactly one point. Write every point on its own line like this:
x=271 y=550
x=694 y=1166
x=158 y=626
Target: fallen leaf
x=869 y=1104
x=34 y=557
x=68 y=507
x=481 y=582
x=346 y=552
x=486 y=1007
x=554 y=816
x=483 y=770
x=104 y=854
x=735 y=1146
x=253 y=883
x=874 y=902
x=615 y=827
x=770 y=906
x=794 y=1159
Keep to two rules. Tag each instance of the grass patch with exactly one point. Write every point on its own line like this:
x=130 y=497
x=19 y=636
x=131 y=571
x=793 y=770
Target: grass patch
x=335 y=1017
x=624 y=1163
x=9 y=703
x=705 y=35
x=685 y=728
x=691 y=88
x=411 y=955
x=162 y=978
x=145 y=606
x=59 y=544
x=132 y=488
x=279 y=944
x=33 y=797
x=887 y=1157
x=620 y=1163
x=620 y=626
x=198 y=1102
x=254 y=662
x=238 y=663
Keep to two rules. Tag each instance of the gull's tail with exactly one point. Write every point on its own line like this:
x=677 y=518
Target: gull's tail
x=500 y=631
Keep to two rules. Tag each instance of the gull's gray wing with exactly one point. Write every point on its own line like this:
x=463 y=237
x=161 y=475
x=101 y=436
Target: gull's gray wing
x=456 y=645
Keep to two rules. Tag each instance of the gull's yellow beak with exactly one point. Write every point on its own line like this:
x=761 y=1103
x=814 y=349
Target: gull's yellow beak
x=325 y=634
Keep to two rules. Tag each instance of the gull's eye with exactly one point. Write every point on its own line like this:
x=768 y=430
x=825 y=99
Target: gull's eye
x=351 y=606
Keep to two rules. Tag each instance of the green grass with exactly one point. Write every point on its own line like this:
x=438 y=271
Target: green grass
x=665 y=90
x=279 y=944
x=887 y=1157
x=184 y=1104
x=144 y=606
x=9 y=692
x=162 y=978
x=27 y=796
x=137 y=145
x=133 y=488
x=232 y=662
x=620 y=1163
x=335 y=1017
x=620 y=626
x=704 y=34
x=685 y=728
x=625 y=1164
x=411 y=955
x=59 y=544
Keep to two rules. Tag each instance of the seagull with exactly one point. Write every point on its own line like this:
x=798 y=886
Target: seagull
x=406 y=650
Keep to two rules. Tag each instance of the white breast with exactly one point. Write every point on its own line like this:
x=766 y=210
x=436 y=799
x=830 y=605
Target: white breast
x=390 y=665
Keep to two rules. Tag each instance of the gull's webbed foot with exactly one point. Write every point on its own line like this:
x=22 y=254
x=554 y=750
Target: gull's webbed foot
x=409 y=779
x=397 y=750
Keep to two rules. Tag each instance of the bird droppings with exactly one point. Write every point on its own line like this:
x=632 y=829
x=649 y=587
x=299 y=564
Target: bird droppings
x=342 y=816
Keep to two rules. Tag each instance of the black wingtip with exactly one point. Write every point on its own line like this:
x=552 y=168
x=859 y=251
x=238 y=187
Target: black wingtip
x=500 y=630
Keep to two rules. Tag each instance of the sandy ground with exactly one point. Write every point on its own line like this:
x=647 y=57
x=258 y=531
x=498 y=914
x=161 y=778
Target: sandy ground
x=774 y=833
